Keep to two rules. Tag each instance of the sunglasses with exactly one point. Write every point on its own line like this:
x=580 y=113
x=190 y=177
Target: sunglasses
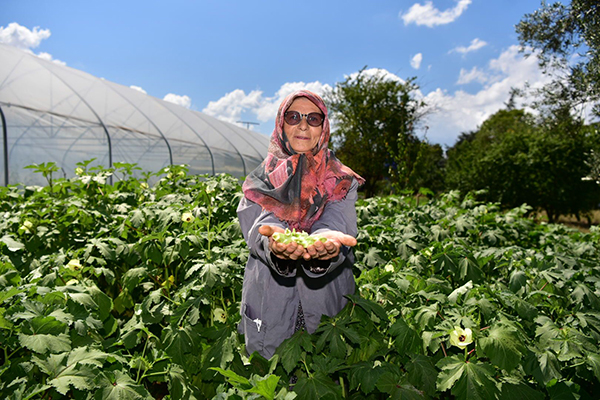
x=294 y=118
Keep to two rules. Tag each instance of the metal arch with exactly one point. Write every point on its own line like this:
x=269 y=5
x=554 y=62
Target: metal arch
x=246 y=140
x=212 y=158
x=5 y=146
x=145 y=116
x=197 y=115
x=93 y=112
x=86 y=130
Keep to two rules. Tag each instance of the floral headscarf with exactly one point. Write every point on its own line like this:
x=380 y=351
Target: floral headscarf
x=296 y=187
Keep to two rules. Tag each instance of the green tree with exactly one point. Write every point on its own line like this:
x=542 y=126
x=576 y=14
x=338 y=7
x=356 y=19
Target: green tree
x=517 y=160
x=567 y=42
x=374 y=121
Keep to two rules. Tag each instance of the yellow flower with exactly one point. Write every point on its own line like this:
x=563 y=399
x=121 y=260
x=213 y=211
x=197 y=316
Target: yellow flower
x=187 y=217
x=461 y=337
x=79 y=171
x=27 y=226
x=144 y=185
x=74 y=265
x=219 y=315
x=389 y=268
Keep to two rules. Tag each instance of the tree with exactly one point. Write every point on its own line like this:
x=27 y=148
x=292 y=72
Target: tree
x=517 y=160
x=374 y=119
x=567 y=41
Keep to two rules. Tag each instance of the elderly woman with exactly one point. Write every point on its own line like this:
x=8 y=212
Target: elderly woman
x=299 y=185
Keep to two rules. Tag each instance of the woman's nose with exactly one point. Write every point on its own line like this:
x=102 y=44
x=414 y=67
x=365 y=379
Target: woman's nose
x=304 y=123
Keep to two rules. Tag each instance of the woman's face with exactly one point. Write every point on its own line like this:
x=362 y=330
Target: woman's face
x=302 y=137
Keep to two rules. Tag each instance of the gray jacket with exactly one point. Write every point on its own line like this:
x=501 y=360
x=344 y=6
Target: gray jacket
x=273 y=288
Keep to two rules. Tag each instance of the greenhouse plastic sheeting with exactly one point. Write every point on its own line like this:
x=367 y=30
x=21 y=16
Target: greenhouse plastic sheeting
x=53 y=113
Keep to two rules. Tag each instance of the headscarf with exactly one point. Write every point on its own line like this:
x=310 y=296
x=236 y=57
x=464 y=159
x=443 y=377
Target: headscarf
x=297 y=186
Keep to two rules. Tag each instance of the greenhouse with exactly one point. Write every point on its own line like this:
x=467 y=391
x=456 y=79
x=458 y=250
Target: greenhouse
x=53 y=113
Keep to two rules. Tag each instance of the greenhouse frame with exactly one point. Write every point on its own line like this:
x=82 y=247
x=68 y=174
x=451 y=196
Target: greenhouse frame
x=53 y=113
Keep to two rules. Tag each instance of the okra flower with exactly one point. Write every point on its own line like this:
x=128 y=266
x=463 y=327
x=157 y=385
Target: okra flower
x=461 y=337
x=219 y=315
x=187 y=217
x=74 y=265
x=27 y=226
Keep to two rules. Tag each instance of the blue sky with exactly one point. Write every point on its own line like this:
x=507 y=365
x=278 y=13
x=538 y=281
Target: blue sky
x=237 y=59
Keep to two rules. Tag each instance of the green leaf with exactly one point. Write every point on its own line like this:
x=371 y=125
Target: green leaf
x=397 y=388
x=563 y=391
x=44 y=343
x=476 y=382
x=368 y=306
x=132 y=278
x=179 y=342
x=180 y=386
x=317 y=386
x=364 y=375
x=452 y=369
x=12 y=244
x=233 y=378
x=543 y=365
x=265 y=386
x=116 y=385
x=81 y=377
x=422 y=373
x=469 y=269
x=593 y=362
x=291 y=349
x=104 y=302
x=406 y=339
x=518 y=281
x=503 y=347
x=325 y=364
x=7 y=294
x=372 y=257
x=84 y=299
x=333 y=333
x=137 y=218
x=521 y=391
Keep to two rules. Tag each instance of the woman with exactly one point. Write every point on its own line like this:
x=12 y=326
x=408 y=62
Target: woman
x=302 y=186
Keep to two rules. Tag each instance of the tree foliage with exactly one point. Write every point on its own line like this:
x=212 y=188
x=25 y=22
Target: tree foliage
x=517 y=160
x=566 y=40
x=375 y=119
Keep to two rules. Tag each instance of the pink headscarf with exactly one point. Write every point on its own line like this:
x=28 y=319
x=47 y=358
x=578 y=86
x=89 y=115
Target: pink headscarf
x=296 y=187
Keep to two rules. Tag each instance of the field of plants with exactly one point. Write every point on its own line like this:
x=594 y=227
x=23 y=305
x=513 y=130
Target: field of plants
x=132 y=290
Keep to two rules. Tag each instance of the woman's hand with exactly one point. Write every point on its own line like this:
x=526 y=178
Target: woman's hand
x=318 y=251
x=290 y=251
x=329 y=249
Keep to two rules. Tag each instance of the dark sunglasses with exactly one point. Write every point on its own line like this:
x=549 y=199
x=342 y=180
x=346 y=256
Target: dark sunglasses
x=294 y=118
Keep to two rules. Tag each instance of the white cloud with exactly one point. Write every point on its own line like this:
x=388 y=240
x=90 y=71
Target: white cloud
x=21 y=37
x=24 y=39
x=378 y=72
x=474 y=74
x=415 y=62
x=139 y=89
x=183 y=101
x=426 y=14
x=232 y=105
x=48 y=57
x=476 y=44
x=461 y=111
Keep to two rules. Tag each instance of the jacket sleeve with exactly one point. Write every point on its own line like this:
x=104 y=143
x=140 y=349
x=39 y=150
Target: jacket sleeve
x=251 y=217
x=337 y=216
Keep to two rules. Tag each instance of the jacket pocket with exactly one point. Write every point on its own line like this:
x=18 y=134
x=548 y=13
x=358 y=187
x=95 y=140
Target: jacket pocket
x=254 y=330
